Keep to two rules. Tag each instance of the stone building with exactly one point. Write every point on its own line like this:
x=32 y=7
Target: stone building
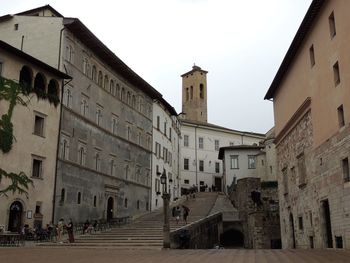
x=35 y=130
x=200 y=140
x=105 y=151
x=165 y=158
x=312 y=114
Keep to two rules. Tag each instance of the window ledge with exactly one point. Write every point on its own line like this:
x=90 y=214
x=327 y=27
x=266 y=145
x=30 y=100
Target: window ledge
x=42 y=136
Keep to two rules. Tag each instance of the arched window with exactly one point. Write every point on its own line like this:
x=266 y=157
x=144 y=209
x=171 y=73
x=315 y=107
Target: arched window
x=40 y=85
x=84 y=107
x=26 y=78
x=138 y=204
x=100 y=78
x=191 y=93
x=187 y=94
x=69 y=53
x=81 y=155
x=67 y=98
x=128 y=98
x=117 y=91
x=126 y=172
x=201 y=91
x=86 y=67
x=97 y=162
x=122 y=95
x=65 y=149
x=111 y=87
x=79 y=198
x=98 y=116
x=94 y=73
x=106 y=82
x=63 y=196
x=133 y=101
x=52 y=92
x=126 y=203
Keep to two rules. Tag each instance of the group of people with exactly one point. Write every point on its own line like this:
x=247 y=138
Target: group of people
x=177 y=211
x=70 y=230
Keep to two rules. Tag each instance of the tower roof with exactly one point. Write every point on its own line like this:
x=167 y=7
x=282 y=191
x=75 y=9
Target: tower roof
x=194 y=69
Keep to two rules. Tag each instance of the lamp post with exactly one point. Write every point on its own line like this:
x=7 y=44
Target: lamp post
x=166 y=199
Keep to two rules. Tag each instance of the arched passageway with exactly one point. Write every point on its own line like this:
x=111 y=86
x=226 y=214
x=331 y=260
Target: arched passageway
x=232 y=239
x=15 y=217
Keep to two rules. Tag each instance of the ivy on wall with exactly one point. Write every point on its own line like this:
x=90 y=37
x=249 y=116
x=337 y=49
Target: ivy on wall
x=13 y=93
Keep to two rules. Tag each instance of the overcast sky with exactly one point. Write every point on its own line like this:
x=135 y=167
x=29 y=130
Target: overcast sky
x=240 y=42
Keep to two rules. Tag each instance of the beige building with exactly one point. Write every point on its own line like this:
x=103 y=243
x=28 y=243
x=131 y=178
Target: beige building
x=310 y=94
x=35 y=128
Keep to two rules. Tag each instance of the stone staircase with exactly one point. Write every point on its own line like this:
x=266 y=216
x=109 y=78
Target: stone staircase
x=145 y=232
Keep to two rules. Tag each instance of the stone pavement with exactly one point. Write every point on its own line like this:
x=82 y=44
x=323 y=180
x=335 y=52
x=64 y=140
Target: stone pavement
x=78 y=255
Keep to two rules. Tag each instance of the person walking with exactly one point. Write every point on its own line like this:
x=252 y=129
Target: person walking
x=177 y=214
x=185 y=213
x=59 y=230
x=70 y=231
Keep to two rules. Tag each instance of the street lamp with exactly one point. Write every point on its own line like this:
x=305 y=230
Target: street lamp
x=166 y=199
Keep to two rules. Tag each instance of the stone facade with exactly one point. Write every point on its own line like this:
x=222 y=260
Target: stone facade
x=105 y=149
x=259 y=224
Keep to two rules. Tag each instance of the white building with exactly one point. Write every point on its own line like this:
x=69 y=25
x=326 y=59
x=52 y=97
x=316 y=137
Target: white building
x=165 y=157
x=201 y=140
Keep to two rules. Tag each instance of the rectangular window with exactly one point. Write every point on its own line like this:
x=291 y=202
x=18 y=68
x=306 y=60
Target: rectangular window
x=39 y=125
x=164 y=153
x=232 y=143
x=341 y=119
x=186 y=163
x=300 y=221
x=285 y=179
x=201 y=166
x=336 y=73
x=165 y=128
x=158 y=122
x=186 y=181
x=114 y=124
x=310 y=215
x=312 y=55
x=217 y=167
x=200 y=142
x=37 y=168
x=332 y=29
x=234 y=161
x=301 y=170
x=251 y=162
x=217 y=145
x=186 y=142
x=201 y=182
x=170 y=134
x=346 y=171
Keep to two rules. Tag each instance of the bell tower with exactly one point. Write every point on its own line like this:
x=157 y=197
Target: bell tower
x=194 y=94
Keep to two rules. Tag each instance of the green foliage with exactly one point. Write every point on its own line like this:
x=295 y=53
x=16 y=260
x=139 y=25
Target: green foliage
x=19 y=183
x=6 y=133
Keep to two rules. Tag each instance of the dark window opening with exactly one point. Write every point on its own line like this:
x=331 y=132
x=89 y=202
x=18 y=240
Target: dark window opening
x=201 y=91
x=39 y=85
x=346 y=171
x=341 y=119
x=39 y=125
x=37 y=167
x=312 y=55
x=336 y=73
x=52 y=92
x=95 y=201
x=332 y=29
x=25 y=79
x=79 y=198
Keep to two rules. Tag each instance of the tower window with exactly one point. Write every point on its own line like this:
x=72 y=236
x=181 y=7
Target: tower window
x=346 y=171
x=201 y=91
x=191 y=93
x=187 y=94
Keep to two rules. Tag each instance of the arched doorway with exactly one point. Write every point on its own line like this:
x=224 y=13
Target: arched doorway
x=232 y=239
x=110 y=205
x=15 y=217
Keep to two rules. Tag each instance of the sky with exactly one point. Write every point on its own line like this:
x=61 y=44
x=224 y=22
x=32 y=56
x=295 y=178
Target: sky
x=240 y=42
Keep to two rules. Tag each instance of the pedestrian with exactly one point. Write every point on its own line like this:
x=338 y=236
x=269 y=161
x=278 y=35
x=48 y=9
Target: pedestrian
x=59 y=230
x=185 y=213
x=70 y=231
x=173 y=211
x=177 y=214
x=86 y=226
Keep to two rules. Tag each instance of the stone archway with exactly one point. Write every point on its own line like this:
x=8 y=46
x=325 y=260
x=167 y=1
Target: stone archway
x=15 y=217
x=232 y=238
